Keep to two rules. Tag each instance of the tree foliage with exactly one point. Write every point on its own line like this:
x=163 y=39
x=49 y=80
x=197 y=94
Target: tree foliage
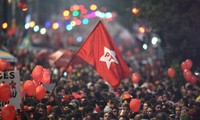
x=178 y=24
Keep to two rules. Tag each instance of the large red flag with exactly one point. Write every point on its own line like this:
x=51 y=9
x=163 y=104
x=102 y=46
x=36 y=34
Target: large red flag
x=100 y=51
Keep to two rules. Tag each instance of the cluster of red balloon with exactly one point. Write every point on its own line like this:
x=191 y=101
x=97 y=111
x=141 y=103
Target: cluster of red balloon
x=34 y=87
x=187 y=74
x=186 y=68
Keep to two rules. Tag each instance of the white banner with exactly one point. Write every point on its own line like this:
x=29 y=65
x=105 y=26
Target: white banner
x=12 y=78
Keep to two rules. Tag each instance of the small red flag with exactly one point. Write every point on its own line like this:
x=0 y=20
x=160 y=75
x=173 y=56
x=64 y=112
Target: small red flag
x=100 y=51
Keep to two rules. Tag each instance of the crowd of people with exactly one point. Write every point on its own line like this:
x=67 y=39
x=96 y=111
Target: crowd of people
x=82 y=94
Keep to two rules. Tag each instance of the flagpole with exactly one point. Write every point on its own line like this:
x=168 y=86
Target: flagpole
x=52 y=93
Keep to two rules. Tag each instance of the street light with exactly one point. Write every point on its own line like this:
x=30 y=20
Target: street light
x=142 y=29
x=5 y=25
x=135 y=11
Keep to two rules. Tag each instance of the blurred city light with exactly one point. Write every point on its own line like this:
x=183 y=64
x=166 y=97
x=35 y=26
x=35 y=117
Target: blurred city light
x=72 y=23
x=67 y=17
x=66 y=13
x=142 y=29
x=36 y=28
x=75 y=13
x=79 y=39
x=75 y=7
x=93 y=7
x=27 y=25
x=85 y=21
x=69 y=27
x=47 y=24
x=24 y=7
x=78 y=22
x=5 y=25
x=135 y=11
x=154 y=40
x=55 y=26
x=43 y=31
x=84 y=11
x=144 y=46
x=32 y=24
x=108 y=15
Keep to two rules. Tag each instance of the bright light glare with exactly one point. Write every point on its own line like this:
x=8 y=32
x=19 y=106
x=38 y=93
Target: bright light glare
x=27 y=26
x=69 y=27
x=144 y=46
x=43 y=31
x=4 y=25
x=108 y=15
x=72 y=23
x=154 y=40
x=93 y=7
x=85 y=21
x=55 y=26
x=66 y=13
x=79 y=39
x=142 y=29
x=32 y=24
x=36 y=28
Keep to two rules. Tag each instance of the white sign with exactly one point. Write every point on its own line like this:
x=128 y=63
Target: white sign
x=12 y=78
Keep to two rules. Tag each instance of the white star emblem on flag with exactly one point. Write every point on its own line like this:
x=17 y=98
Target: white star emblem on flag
x=108 y=57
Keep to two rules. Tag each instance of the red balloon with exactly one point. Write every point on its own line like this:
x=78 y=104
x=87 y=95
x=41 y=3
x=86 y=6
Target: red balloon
x=29 y=87
x=171 y=72
x=70 y=69
x=187 y=74
x=49 y=108
x=3 y=65
x=26 y=107
x=37 y=73
x=188 y=63
x=193 y=80
x=8 y=112
x=46 y=76
x=5 y=92
x=135 y=78
x=35 y=83
x=40 y=92
x=134 y=105
x=70 y=40
x=183 y=65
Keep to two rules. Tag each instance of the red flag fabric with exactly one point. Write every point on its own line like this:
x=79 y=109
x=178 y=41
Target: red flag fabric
x=100 y=51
